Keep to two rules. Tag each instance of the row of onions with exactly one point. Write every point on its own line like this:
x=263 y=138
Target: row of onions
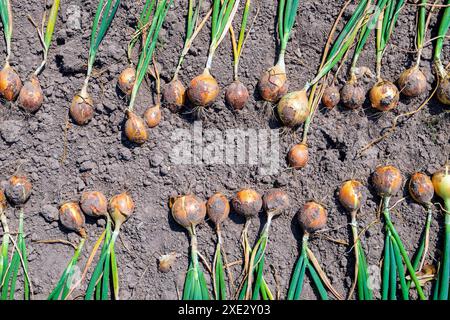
x=400 y=272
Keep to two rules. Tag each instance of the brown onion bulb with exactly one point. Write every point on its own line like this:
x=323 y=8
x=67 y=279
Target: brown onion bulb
x=298 y=156
x=312 y=217
x=247 y=203
x=31 y=96
x=218 y=208
x=188 y=211
x=82 y=108
x=120 y=208
x=441 y=183
x=331 y=97
x=18 y=190
x=421 y=188
x=276 y=201
x=174 y=95
x=293 y=108
x=3 y=203
x=126 y=80
x=387 y=180
x=412 y=82
x=352 y=95
x=94 y=204
x=10 y=83
x=384 y=96
x=135 y=128
x=203 y=89
x=351 y=195
x=273 y=84
x=443 y=91
x=71 y=217
x=236 y=95
x=152 y=116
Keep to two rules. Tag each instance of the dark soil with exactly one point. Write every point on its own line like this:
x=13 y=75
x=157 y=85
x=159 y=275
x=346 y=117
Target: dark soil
x=97 y=156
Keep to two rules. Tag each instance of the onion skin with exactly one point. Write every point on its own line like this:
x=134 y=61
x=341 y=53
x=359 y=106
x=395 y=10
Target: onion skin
x=331 y=97
x=10 y=83
x=351 y=195
x=94 y=204
x=72 y=218
x=412 y=82
x=218 y=208
x=120 y=208
x=421 y=188
x=18 y=190
x=441 y=183
x=384 y=96
x=237 y=95
x=273 y=84
x=203 y=90
x=293 y=108
x=31 y=96
x=188 y=211
x=312 y=217
x=135 y=128
x=298 y=156
x=387 y=180
x=443 y=91
x=82 y=108
x=126 y=80
x=276 y=201
x=152 y=116
x=3 y=203
x=352 y=96
x=247 y=203
x=174 y=95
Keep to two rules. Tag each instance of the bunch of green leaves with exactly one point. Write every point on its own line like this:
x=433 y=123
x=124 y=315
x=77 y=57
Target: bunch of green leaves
x=5 y=246
x=6 y=14
x=151 y=39
x=441 y=290
x=222 y=17
x=394 y=257
x=220 y=287
x=442 y=32
x=18 y=259
x=142 y=25
x=287 y=11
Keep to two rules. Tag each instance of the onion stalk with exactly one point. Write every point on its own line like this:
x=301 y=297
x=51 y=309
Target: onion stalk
x=174 y=93
x=188 y=211
x=5 y=237
x=441 y=183
x=204 y=89
x=82 y=106
x=10 y=83
x=31 y=96
x=443 y=89
x=387 y=181
x=135 y=129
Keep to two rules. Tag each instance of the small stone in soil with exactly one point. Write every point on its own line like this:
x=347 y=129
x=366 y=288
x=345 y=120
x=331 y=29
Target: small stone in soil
x=49 y=213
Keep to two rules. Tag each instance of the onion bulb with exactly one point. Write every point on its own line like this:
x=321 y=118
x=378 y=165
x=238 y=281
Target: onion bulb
x=94 y=204
x=31 y=96
x=298 y=156
x=351 y=195
x=174 y=95
x=3 y=203
x=273 y=84
x=120 y=208
x=384 y=96
x=443 y=91
x=10 y=83
x=203 y=89
x=135 y=128
x=71 y=217
x=312 y=217
x=276 y=201
x=387 y=180
x=126 y=80
x=218 y=208
x=293 y=108
x=188 y=211
x=152 y=116
x=247 y=203
x=18 y=190
x=421 y=188
x=331 y=97
x=82 y=108
x=441 y=183
x=236 y=95
x=352 y=95
x=412 y=82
